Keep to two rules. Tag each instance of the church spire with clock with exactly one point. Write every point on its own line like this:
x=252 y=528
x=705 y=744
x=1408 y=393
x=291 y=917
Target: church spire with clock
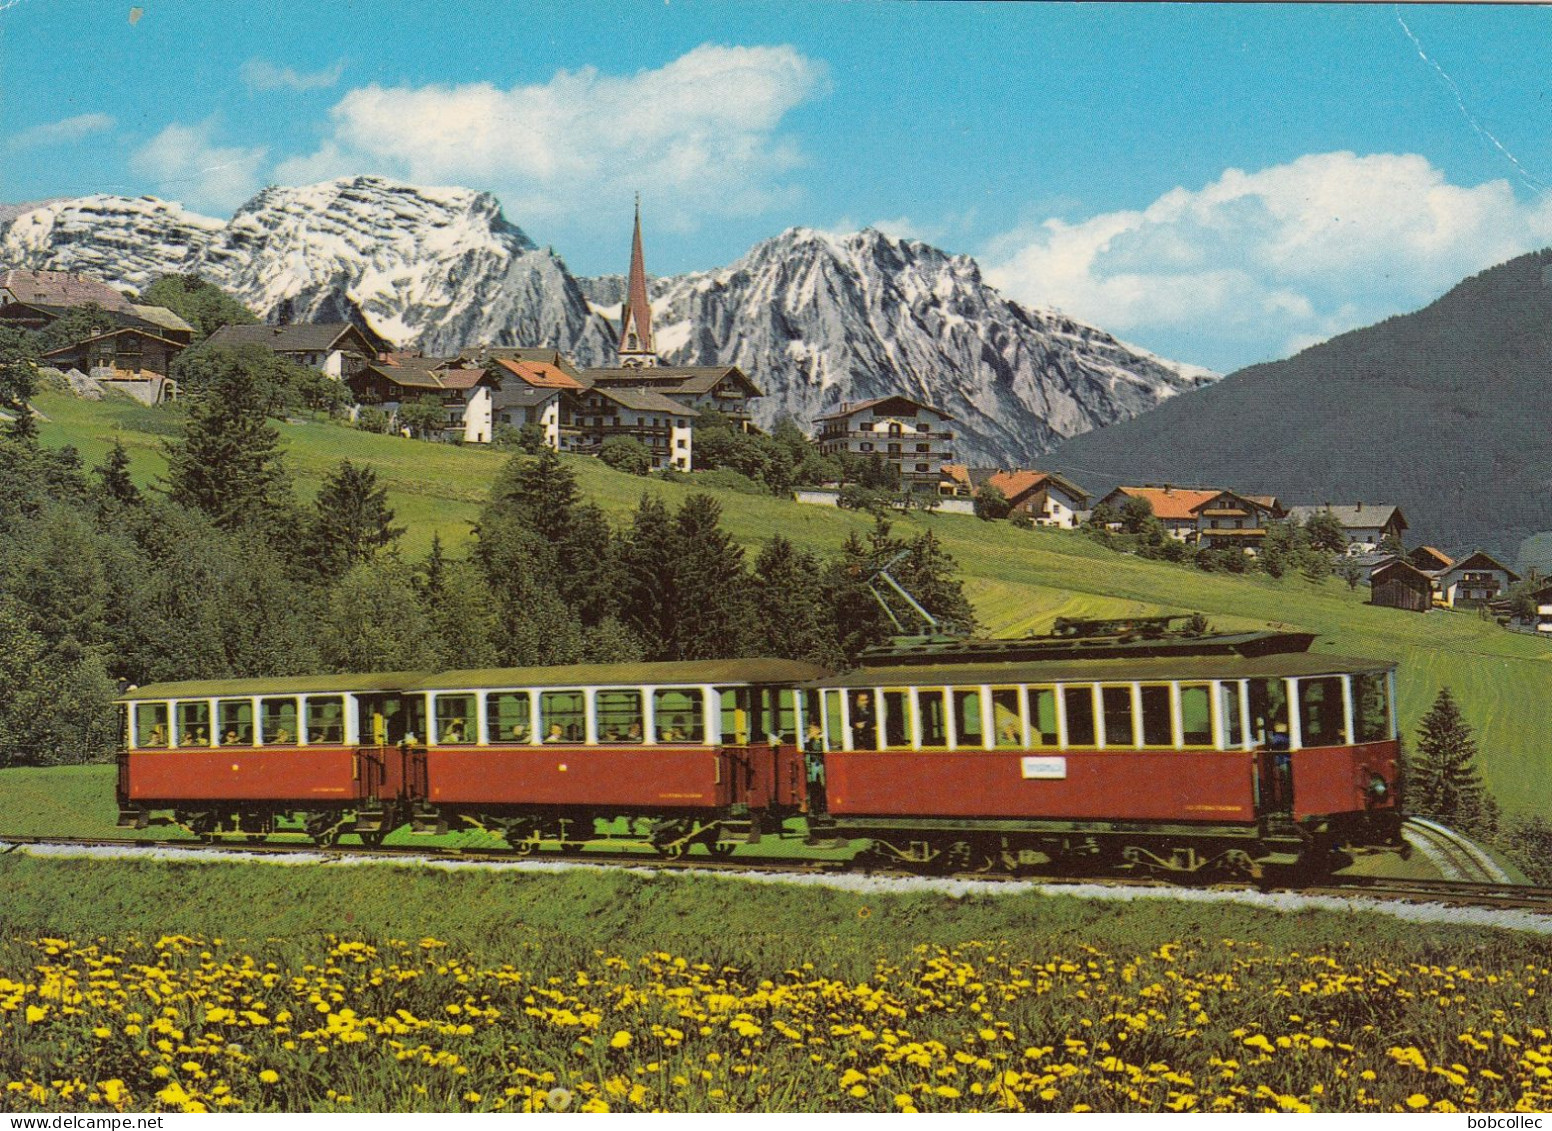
x=635 y=349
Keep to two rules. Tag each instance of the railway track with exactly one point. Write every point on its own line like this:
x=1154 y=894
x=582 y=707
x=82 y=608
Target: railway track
x=1476 y=893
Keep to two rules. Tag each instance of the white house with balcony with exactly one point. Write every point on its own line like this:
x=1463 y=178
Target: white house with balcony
x=912 y=436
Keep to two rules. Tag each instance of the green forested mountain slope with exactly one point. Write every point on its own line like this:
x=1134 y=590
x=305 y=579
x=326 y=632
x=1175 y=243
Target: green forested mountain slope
x=1444 y=411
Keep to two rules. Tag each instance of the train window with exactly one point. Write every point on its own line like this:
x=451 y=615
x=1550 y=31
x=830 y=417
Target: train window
x=235 y=718
x=1007 y=720
x=679 y=715
x=194 y=724
x=1042 y=716
x=1196 y=714
x=834 y=723
x=619 y=716
x=563 y=716
x=1117 y=705
x=934 y=716
x=897 y=719
x=781 y=714
x=1233 y=724
x=455 y=719
x=1158 y=727
x=1371 y=706
x=1269 y=713
x=967 y=719
x=326 y=719
x=738 y=711
x=507 y=717
x=150 y=724
x=1321 y=712
x=1078 y=703
x=864 y=721
x=277 y=722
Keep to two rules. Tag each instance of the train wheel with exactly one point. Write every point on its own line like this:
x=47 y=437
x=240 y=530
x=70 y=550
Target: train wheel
x=722 y=849
x=372 y=838
x=964 y=856
x=571 y=847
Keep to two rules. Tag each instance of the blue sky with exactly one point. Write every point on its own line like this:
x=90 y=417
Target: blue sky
x=1220 y=184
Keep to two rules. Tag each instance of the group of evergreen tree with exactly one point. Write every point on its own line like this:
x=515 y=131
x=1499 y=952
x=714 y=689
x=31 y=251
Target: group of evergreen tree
x=219 y=570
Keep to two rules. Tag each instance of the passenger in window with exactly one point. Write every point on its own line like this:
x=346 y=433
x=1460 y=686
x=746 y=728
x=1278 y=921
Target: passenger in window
x=282 y=735
x=157 y=737
x=864 y=725
x=813 y=759
x=519 y=732
x=229 y=738
x=455 y=732
x=557 y=733
x=633 y=733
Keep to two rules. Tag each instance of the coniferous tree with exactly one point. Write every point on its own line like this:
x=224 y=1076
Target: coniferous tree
x=539 y=493
x=352 y=520
x=1442 y=778
x=113 y=481
x=790 y=615
x=648 y=593
x=711 y=585
x=532 y=624
x=228 y=464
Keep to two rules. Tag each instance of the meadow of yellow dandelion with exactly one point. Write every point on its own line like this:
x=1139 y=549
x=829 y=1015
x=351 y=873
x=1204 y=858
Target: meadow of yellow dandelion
x=196 y=1024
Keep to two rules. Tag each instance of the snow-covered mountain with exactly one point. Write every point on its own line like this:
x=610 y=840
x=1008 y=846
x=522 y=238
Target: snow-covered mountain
x=440 y=268
x=818 y=319
x=815 y=319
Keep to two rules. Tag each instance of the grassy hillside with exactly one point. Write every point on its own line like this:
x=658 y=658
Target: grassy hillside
x=1439 y=411
x=1020 y=581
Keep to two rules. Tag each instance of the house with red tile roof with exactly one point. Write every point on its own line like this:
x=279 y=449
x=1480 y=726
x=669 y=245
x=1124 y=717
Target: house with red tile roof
x=1175 y=507
x=1049 y=499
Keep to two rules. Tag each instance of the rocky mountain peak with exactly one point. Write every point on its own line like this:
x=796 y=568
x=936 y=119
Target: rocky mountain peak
x=815 y=317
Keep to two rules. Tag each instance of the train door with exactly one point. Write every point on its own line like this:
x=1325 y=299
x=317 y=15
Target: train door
x=389 y=719
x=1269 y=728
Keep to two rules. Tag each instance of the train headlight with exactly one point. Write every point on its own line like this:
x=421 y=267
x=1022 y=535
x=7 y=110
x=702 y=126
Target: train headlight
x=1378 y=787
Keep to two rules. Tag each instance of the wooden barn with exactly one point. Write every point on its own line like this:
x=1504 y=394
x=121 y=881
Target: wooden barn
x=1401 y=585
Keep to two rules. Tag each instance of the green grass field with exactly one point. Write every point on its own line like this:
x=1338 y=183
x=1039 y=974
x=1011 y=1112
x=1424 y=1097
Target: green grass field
x=146 y=985
x=1019 y=581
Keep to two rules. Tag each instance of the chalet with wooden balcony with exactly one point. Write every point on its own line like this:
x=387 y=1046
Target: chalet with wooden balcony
x=915 y=437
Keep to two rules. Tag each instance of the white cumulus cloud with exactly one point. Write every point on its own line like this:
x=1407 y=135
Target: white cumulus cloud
x=64 y=132
x=698 y=135
x=1257 y=265
x=261 y=74
x=186 y=165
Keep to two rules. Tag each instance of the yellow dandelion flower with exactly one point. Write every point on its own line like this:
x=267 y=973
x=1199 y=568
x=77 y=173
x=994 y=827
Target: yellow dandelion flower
x=1416 y=1100
x=620 y=1040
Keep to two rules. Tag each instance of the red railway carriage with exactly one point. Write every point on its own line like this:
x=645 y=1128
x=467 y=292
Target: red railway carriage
x=1167 y=761
x=682 y=753
x=245 y=756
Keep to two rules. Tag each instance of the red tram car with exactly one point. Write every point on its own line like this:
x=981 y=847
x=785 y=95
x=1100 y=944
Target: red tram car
x=1183 y=754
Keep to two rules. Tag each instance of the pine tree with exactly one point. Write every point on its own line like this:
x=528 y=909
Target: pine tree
x=711 y=585
x=229 y=463
x=352 y=520
x=1442 y=779
x=790 y=616
x=539 y=493
x=648 y=593
x=114 y=483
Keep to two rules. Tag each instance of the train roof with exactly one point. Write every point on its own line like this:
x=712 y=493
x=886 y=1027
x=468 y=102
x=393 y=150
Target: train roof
x=759 y=670
x=641 y=673
x=275 y=685
x=1082 y=670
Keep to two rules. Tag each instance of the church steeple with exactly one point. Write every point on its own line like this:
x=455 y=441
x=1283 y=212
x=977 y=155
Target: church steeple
x=636 y=350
